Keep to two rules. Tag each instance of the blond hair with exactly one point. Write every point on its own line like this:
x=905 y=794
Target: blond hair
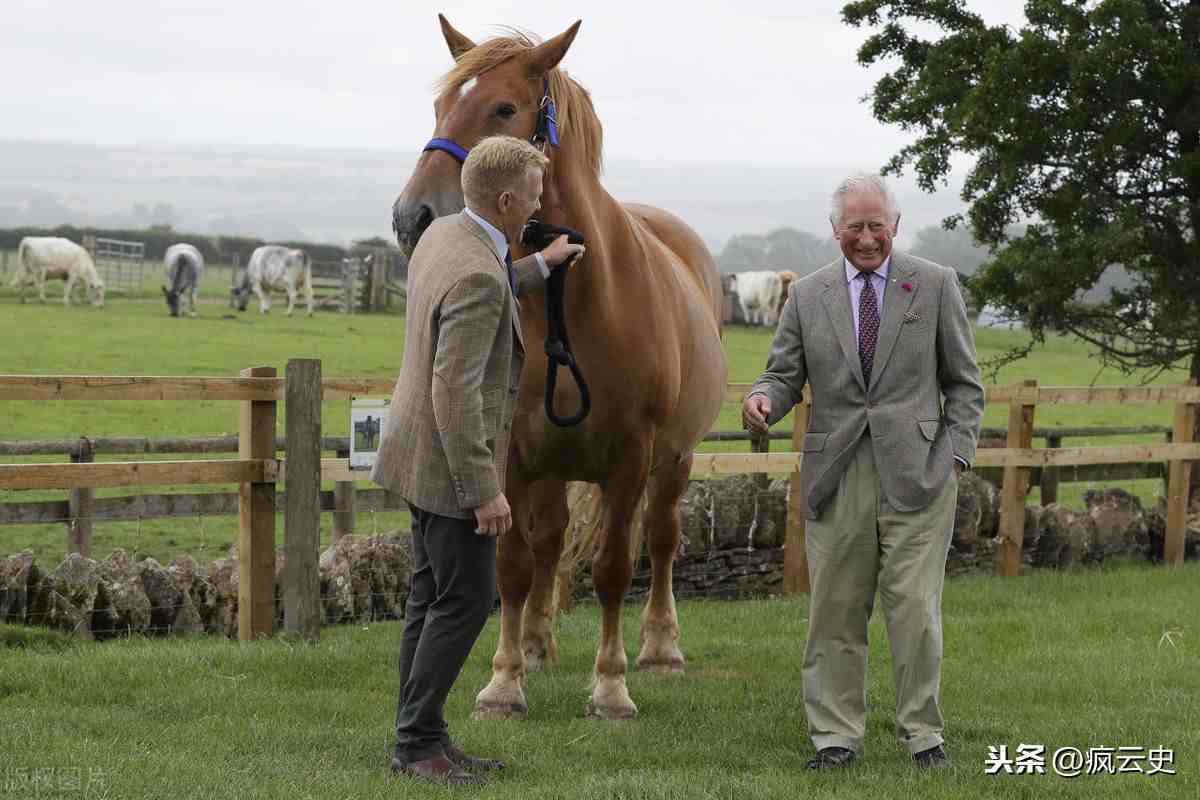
x=496 y=165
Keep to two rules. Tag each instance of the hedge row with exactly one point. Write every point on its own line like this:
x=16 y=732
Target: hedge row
x=215 y=249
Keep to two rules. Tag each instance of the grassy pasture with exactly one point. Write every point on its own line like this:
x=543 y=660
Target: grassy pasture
x=137 y=337
x=1064 y=660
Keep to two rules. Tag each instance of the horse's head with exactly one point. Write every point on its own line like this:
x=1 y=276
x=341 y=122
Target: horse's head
x=98 y=293
x=495 y=88
x=172 y=300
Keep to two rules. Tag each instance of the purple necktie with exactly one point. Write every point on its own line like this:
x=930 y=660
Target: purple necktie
x=868 y=326
x=512 y=273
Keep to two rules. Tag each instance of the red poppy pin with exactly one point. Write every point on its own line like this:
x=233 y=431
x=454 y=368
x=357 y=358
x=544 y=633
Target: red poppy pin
x=906 y=287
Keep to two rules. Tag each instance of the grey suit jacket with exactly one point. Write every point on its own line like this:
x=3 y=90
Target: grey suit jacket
x=925 y=402
x=445 y=444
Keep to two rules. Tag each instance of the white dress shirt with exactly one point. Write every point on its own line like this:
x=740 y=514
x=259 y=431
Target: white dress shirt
x=501 y=241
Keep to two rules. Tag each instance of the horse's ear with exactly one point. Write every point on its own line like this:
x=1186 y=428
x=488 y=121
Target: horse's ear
x=457 y=43
x=546 y=55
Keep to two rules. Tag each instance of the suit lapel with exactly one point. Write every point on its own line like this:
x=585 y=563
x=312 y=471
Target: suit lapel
x=514 y=305
x=837 y=303
x=896 y=302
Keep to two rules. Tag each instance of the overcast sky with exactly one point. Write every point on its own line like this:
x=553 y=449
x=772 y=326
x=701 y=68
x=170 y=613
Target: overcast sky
x=766 y=81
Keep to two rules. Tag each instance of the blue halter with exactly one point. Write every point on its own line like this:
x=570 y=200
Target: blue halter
x=545 y=131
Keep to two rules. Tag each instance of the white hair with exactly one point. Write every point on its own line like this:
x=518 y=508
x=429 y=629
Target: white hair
x=863 y=183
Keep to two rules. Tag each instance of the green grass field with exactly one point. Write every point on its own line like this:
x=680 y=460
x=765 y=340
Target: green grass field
x=1075 y=659
x=137 y=337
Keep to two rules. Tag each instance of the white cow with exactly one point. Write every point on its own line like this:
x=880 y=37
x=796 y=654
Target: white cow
x=758 y=293
x=43 y=258
x=273 y=267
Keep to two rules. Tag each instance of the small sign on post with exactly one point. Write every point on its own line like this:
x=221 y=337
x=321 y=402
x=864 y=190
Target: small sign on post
x=367 y=416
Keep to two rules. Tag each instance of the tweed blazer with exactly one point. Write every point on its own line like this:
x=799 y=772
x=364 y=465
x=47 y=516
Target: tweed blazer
x=925 y=402
x=445 y=444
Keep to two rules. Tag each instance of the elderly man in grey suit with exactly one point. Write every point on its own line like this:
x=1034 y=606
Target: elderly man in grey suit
x=883 y=341
x=445 y=442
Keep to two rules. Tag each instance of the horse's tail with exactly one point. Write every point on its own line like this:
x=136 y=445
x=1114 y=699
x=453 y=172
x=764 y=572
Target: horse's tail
x=583 y=537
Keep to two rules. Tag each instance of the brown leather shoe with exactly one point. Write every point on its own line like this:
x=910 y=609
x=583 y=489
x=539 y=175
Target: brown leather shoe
x=438 y=769
x=832 y=758
x=472 y=763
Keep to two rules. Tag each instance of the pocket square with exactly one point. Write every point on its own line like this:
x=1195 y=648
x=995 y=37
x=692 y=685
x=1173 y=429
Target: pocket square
x=911 y=317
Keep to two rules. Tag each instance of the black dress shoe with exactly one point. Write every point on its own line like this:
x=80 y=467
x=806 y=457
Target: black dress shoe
x=832 y=758
x=438 y=769
x=933 y=758
x=472 y=763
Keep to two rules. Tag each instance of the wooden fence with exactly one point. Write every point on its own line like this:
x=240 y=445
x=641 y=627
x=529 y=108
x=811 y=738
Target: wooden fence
x=257 y=469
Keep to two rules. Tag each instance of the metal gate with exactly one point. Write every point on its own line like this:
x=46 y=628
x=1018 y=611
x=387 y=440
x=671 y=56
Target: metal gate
x=121 y=265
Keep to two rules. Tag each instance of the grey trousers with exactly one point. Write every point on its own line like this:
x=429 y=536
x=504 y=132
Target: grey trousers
x=860 y=544
x=453 y=590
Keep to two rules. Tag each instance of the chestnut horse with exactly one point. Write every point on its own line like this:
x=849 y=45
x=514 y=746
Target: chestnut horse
x=644 y=312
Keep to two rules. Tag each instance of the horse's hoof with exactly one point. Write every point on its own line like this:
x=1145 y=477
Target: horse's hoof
x=674 y=666
x=610 y=713
x=500 y=711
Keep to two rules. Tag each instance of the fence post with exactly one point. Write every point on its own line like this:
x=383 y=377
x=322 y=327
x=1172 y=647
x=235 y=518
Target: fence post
x=1179 y=483
x=1050 y=474
x=795 y=560
x=79 y=503
x=1015 y=483
x=302 y=505
x=378 y=284
x=256 y=511
x=344 y=497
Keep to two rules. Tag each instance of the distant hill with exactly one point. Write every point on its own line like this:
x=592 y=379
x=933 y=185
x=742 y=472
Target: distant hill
x=337 y=196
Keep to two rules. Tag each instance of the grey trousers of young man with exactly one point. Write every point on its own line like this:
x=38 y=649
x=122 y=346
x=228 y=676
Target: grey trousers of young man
x=860 y=544
x=453 y=589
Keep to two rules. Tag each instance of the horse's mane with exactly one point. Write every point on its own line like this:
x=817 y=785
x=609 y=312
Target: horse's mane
x=577 y=120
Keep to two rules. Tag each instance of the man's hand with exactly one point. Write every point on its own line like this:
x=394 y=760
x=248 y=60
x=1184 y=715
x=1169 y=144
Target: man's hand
x=755 y=410
x=561 y=251
x=493 y=517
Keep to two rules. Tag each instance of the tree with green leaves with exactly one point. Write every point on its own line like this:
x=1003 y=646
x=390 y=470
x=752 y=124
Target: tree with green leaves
x=1085 y=122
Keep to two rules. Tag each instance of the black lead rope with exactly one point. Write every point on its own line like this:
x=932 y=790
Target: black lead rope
x=538 y=234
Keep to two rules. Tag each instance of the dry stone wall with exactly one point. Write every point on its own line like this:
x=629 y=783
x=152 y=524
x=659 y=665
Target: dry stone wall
x=732 y=546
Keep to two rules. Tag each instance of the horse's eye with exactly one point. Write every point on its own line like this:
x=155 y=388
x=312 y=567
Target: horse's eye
x=506 y=111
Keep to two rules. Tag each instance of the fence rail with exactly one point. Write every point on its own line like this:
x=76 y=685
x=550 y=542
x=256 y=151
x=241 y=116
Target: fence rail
x=257 y=470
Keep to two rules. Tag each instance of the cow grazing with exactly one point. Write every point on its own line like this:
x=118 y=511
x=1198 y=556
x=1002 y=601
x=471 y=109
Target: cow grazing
x=786 y=277
x=184 y=267
x=758 y=293
x=275 y=268
x=43 y=258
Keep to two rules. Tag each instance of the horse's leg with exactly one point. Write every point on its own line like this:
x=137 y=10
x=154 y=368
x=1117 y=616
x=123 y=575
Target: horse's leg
x=67 y=291
x=308 y=295
x=503 y=697
x=548 y=501
x=291 y=293
x=192 y=301
x=612 y=575
x=660 y=626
